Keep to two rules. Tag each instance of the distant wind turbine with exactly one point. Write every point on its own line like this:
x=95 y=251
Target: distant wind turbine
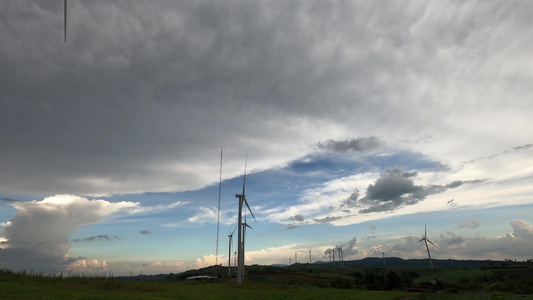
x=383 y=254
x=341 y=256
x=426 y=240
x=229 y=254
x=240 y=247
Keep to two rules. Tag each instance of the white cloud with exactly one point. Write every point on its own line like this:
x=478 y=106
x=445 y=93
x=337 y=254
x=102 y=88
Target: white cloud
x=321 y=202
x=522 y=229
x=40 y=229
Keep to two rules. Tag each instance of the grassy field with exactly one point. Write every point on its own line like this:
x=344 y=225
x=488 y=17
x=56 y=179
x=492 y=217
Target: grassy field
x=36 y=287
x=298 y=282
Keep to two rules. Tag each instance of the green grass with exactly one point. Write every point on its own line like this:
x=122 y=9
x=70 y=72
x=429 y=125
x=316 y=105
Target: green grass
x=280 y=283
x=101 y=288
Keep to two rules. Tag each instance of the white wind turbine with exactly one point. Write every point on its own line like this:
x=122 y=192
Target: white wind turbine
x=230 y=236
x=425 y=239
x=244 y=225
x=341 y=256
x=240 y=243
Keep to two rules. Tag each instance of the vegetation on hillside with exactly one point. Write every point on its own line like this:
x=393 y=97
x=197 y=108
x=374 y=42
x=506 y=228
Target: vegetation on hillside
x=301 y=281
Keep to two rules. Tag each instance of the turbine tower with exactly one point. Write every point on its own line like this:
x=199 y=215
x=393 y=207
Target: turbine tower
x=425 y=239
x=341 y=256
x=383 y=254
x=240 y=247
x=244 y=225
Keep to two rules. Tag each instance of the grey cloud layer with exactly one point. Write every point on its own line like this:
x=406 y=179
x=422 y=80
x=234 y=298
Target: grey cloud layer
x=356 y=145
x=395 y=189
x=143 y=91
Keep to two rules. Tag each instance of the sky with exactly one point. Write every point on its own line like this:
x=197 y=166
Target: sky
x=360 y=123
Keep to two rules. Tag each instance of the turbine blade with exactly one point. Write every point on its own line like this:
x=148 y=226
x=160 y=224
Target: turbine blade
x=421 y=240
x=245 y=224
x=433 y=244
x=233 y=230
x=246 y=202
x=244 y=181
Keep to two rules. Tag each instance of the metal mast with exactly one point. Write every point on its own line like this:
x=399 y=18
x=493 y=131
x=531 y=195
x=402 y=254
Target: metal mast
x=218 y=218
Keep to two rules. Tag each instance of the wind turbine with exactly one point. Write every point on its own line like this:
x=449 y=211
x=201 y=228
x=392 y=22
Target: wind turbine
x=383 y=254
x=425 y=239
x=240 y=247
x=341 y=256
x=229 y=254
x=244 y=225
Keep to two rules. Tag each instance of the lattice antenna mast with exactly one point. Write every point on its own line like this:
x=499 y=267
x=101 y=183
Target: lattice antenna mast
x=218 y=217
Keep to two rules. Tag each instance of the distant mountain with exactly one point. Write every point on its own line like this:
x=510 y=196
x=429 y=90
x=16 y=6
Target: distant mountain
x=365 y=262
x=400 y=262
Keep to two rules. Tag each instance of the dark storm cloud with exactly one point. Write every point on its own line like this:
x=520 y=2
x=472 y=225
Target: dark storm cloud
x=143 y=91
x=394 y=189
x=356 y=145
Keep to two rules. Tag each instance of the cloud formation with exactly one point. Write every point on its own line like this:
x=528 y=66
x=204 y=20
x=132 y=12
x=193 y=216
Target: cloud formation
x=394 y=189
x=104 y=237
x=356 y=145
x=37 y=235
x=108 y=113
x=468 y=224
